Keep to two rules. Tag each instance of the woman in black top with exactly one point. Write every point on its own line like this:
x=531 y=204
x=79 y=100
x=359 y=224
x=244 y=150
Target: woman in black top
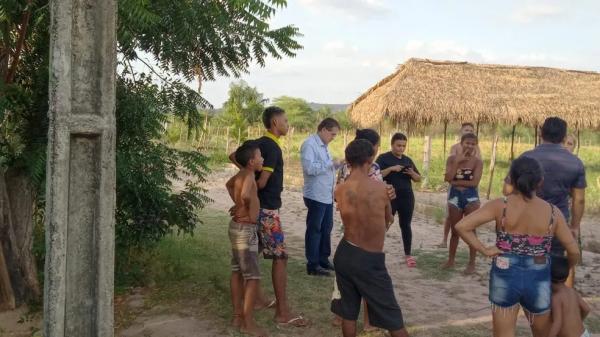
x=400 y=171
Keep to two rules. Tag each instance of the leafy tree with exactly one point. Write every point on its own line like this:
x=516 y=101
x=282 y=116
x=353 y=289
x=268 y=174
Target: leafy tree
x=323 y=113
x=300 y=114
x=344 y=120
x=243 y=107
x=158 y=188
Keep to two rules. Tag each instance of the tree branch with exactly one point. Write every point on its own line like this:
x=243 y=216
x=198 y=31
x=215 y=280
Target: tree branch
x=12 y=70
x=152 y=69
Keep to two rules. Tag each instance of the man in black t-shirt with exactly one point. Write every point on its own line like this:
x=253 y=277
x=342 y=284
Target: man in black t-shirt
x=270 y=233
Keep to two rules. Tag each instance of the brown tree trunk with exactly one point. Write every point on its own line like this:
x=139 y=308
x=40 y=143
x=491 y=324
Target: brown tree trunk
x=16 y=234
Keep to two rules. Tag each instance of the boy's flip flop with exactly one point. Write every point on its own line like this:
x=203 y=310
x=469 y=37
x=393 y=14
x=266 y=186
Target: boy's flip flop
x=411 y=262
x=270 y=305
x=297 y=322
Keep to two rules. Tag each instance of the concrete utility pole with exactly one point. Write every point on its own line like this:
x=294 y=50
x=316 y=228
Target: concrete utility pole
x=80 y=189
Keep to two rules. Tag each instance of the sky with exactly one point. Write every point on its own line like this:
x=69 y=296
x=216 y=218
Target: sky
x=349 y=45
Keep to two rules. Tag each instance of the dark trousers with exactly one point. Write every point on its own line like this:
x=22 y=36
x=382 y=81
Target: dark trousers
x=317 y=241
x=404 y=205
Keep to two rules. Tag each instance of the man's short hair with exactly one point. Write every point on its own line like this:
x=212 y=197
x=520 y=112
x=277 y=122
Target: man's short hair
x=554 y=130
x=270 y=113
x=328 y=123
x=358 y=152
x=467 y=124
x=469 y=136
x=398 y=136
x=559 y=269
x=245 y=152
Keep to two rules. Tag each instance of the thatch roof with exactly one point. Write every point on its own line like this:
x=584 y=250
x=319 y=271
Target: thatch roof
x=425 y=91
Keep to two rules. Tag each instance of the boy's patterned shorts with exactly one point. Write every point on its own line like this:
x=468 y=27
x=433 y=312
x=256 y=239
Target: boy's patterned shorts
x=271 y=235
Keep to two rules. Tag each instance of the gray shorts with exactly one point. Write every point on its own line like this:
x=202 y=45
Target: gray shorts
x=244 y=250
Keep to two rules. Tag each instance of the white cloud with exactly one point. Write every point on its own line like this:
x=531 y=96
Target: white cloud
x=532 y=12
x=339 y=48
x=352 y=9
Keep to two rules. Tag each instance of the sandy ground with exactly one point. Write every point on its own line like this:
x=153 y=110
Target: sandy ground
x=425 y=302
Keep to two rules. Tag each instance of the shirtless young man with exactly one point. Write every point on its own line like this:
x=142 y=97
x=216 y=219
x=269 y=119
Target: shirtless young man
x=245 y=272
x=359 y=260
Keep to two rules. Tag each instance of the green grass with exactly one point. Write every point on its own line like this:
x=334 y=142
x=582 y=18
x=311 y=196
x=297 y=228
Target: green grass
x=593 y=323
x=194 y=271
x=191 y=275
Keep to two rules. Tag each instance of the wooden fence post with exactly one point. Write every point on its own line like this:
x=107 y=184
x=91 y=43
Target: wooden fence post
x=227 y=142
x=512 y=143
x=492 y=165
x=426 y=160
x=578 y=141
x=345 y=138
x=445 y=133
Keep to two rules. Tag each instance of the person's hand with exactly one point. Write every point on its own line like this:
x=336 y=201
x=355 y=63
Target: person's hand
x=575 y=232
x=397 y=168
x=391 y=192
x=338 y=163
x=409 y=171
x=232 y=210
x=492 y=251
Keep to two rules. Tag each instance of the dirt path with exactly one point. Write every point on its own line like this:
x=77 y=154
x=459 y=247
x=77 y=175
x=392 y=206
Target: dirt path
x=426 y=302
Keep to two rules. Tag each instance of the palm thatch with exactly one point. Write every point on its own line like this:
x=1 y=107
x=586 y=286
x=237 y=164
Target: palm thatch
x=425 y=91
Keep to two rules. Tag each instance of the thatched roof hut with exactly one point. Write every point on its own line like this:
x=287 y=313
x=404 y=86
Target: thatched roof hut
x=425 y=91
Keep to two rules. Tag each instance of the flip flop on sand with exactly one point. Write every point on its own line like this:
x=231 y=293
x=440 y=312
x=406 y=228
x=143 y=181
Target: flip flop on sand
x=297 y=322
x=410 y=261
x=269 y=305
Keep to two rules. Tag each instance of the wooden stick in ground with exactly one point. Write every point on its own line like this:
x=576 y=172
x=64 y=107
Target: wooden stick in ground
x=345 y=138
x=512 y=143
x=492 y=165
x=426 y=160
x=227 y=142
x=445 y=134
x=578 y=141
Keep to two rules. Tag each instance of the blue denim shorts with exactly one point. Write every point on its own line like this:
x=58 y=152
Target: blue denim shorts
x=519 y=279
x=461 y=199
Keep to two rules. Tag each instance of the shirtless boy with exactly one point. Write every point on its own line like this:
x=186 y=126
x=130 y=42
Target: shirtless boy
x=359 y=261
x=568 y=308
x=244 y=241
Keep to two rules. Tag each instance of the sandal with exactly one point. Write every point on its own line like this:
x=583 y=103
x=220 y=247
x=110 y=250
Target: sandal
x=297 y=322
x=410 y=261
x=270 y=305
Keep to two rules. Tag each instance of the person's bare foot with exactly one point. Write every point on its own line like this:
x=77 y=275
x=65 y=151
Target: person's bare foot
x=469 y=270
x=448 y=265
x=443 y=245
x=253 y=330
x=236 y=321
x=336 y=321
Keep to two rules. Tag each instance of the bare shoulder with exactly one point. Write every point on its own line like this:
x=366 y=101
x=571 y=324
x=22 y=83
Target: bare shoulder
x=559 y=294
